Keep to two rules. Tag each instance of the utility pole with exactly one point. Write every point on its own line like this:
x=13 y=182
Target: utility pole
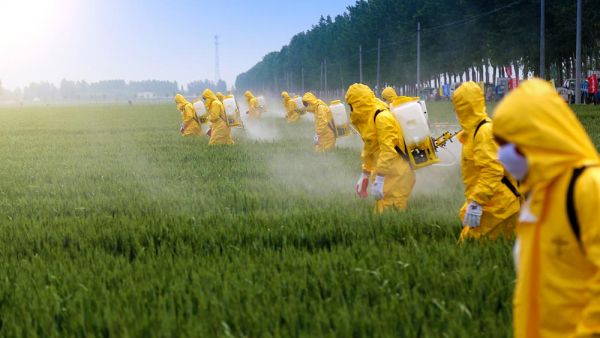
x=360 y=63
x=217 y=73
x=578 y=56
x=325 y=74
x=378 y=62
x=543 y=39
x=418 y=56
x=321 y=79
x=302 y=75
x=341 y=76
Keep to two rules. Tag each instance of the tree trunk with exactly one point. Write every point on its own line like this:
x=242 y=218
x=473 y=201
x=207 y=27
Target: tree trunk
x=484 y=75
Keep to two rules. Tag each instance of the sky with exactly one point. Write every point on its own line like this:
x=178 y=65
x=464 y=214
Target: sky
x=48 y=40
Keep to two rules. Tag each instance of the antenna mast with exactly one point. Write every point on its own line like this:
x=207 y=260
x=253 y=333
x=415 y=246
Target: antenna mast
x=217 y=73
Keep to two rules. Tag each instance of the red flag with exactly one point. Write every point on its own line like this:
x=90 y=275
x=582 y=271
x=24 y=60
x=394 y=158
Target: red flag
x=592 y=84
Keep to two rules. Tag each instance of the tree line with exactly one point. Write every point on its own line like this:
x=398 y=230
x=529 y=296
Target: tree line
x=460 y=40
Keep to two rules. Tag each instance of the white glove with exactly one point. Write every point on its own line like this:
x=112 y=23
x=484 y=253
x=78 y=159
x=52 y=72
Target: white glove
x=361 y=185
x=316 y=139
x=473 y=214
x=377 y=187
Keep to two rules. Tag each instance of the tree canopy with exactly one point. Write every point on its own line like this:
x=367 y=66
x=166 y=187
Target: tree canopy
x=467 y=38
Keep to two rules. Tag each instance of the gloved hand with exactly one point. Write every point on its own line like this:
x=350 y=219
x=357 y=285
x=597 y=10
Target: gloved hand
x=362 y=185
x=209 y=132
x=473 y=214
x=316 y=139
x=182 y=128
x=377 y=187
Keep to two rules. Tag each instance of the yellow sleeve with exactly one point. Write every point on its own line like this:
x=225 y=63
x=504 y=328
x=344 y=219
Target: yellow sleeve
x=291 y=106
x=587 y=200
x=368 y=156
x=485 y=156
x=214 y=113
x=388 y=136
x=253 y=105
x=321 y=120
x=188 y=114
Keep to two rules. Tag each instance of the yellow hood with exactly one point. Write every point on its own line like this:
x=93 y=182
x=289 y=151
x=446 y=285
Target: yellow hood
x=543 y=127
x=286 y=97
x=180 y=101
x=312 y=101
x=469 y=104
x=209 y=97
x=248 y=94
x=363 y=104
x=388 y=94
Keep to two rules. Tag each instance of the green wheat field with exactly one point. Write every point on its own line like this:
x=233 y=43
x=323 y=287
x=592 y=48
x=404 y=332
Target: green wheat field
x=112 y=224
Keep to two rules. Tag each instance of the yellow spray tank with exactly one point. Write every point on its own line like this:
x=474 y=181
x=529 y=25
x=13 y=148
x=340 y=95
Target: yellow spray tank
x=299 y=105
x=341 y=123
x=200 y=109
x=232 y=112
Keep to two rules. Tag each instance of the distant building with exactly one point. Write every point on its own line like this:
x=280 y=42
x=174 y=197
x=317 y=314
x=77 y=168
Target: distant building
x=145 y=95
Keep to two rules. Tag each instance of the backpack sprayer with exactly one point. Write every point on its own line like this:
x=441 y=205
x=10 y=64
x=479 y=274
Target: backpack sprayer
x=341 y=122
x=299 y=105
x=262 y=104
x=232 y=112
x=200 y=109
x=420 y=148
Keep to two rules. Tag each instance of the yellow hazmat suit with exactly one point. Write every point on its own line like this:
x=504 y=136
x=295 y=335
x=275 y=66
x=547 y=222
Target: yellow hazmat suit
x=292 y=113
x=324 y=128
x=389 y=94
x=558 y=277
x=189 y=122
x=383 y=139
x=220 y=96
x=220 y=132
x=484 y=178
x=254 y=111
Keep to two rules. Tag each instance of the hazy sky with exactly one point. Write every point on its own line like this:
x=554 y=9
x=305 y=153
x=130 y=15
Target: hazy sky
x=145 y=39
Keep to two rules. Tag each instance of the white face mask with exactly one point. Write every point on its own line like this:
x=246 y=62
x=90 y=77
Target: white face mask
x=514 y=162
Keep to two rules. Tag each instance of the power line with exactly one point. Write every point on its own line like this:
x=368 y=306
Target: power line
x=467 y=20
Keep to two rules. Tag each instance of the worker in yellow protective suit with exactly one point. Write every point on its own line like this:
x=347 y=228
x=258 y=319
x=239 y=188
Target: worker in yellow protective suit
x=220 y=132
x=492 y=199
x=384 y=151
x=254 y=110
x=292 y=113
x=220 y=96
x=389 y=95
x=557 y=252
x=189 y=121
x=324 y=138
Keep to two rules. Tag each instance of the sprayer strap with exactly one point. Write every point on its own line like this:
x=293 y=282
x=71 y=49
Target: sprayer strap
x=511 y=187
x=403 y=154
x=571 y=212
x=376 y=113
x=479 y=126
